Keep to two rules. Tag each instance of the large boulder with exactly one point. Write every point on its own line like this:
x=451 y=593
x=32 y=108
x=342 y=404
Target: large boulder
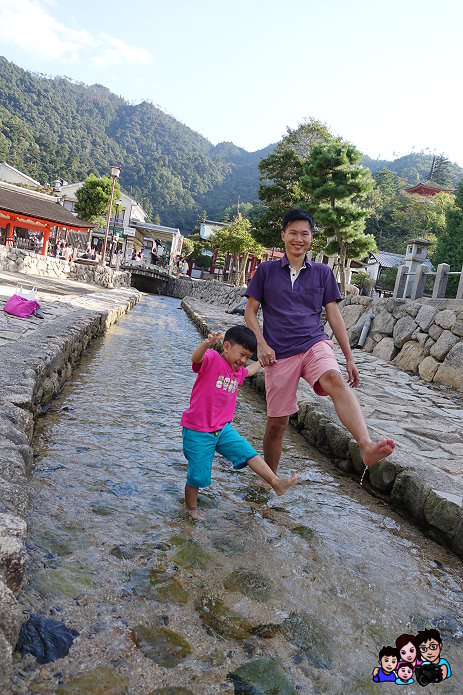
x=451 y=370
x=443 y=345
x=385 y=349
x=445 y=318
x=427 y=368
x=403 y=330
x=410 y=356
x=435 y=331
x=383 y=322
x=351 y=314
x=457 y=328
x=425 y=316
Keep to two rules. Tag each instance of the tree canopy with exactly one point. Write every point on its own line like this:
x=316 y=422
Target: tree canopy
x=237 y=238
x=93 y=198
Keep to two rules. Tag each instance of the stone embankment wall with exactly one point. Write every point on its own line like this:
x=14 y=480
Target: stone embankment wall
x=21 y=261
x=424 y=337
x=32 y=372
x=210 y=291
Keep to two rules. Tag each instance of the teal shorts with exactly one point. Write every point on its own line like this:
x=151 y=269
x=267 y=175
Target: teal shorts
x=199 y=449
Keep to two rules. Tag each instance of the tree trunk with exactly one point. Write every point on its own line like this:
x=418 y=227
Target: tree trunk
x=236 y=277
x=342 y=265
x=242 y=272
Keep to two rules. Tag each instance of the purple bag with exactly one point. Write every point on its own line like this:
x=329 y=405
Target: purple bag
x=19 y=306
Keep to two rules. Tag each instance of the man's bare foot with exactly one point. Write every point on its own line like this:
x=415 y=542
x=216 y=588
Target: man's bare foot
x=196 y=514
x=375 y=451
x=282 y=485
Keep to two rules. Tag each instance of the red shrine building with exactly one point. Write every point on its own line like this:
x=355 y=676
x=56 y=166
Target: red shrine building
x=428 y=188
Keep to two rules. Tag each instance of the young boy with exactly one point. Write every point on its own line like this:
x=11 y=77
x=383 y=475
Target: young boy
x=206 y=423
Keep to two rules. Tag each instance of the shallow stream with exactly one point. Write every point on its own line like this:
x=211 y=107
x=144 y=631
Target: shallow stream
x=302 y=590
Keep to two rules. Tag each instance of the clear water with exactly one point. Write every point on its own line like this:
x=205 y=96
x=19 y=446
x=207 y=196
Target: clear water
x=107 y=525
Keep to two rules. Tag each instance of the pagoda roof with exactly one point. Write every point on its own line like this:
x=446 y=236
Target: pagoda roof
x=430 y=186
x=24 y=205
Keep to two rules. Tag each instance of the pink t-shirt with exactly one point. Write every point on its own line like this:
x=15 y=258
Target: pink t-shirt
x=213 y=398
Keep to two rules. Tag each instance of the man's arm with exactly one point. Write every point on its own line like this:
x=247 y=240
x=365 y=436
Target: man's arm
x=339 y=329
x=211 y=340
x=265 y=354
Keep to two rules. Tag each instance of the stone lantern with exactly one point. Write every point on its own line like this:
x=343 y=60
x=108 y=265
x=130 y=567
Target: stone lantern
x=414 y=257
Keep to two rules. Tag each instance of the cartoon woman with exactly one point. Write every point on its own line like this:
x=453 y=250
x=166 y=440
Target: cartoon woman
x=408 y=649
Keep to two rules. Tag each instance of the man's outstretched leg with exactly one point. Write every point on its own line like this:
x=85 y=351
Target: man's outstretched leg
x=273 y=440
x=351 y=416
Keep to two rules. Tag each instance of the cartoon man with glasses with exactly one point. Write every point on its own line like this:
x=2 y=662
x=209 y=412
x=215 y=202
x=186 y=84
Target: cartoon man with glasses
x=430 y=645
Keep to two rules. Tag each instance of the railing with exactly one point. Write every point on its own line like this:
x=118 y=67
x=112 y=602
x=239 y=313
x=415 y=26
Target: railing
x=441 y=276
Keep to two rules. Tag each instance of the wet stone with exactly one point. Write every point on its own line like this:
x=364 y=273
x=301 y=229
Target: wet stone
x=227 y=545
x=157 y=584
x=161 y=645
x=222 y=620
x=304 y=532
x=190 y=554
x=171 y=691
x=122 y=552
x=261 y=677
x=251 y=584
x=63 y=542
x=97 y=681
x=44 y=638
x=310 y=636
x=71 y=580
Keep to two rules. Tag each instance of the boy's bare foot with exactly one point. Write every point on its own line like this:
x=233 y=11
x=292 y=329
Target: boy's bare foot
x=373 y=452
x=196 y=514
x=263 y=484
x=282 y=485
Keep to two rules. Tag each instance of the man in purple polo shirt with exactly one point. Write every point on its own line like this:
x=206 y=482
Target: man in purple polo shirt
x=293 y=344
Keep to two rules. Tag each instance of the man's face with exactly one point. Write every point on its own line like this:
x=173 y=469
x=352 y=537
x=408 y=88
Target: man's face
x=430 y=650
x=297 y=238
x=388 y=663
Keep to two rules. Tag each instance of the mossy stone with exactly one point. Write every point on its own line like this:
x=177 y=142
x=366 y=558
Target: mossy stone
x=161 y=645
x=169 y=690
x=98 y=681
x=69 y=579
x=251 y=584
x=122 y=552
x=63 y=542
x=157 y=584
x=310 y=636
x=189 y=554
x=304 y=532
x=261 y=677
x=222 y=620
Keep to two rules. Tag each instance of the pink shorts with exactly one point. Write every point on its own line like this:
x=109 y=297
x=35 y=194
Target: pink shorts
x=282 y=378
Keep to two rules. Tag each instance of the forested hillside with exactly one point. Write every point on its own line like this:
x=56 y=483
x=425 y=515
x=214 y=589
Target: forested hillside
x=54 y=128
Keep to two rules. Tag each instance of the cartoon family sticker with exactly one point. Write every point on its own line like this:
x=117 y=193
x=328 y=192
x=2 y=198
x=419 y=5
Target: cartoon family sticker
x=414 y=657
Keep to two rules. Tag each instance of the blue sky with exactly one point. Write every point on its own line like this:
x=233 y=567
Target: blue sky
x=384 y=75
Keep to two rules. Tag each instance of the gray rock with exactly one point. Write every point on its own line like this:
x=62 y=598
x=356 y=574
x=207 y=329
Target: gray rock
x=6 y=671
x=356 y=457
x=443 y=510
x=385 y=349
x=457 y=328
x=351 y=314
x=400 y=311
x=12 y=550
x=11 y=615
x=403 y=330
x=445 y=318
x=451 y=370
x=384 y=473
x=442 y=346
x=410 y=491
x=427 y=368
x=413 y=309
x=338 y=440
x=434 y=331
x=410 y=356
x=369 y=344
x=425 y=316
x=383 y=323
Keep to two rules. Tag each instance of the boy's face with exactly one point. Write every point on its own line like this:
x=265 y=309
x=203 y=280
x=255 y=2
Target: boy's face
x=388 y=663
x=236 y=355
x=405 y=673
x=430 y=650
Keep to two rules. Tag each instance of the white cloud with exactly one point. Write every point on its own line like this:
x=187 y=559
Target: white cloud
x=28 y=26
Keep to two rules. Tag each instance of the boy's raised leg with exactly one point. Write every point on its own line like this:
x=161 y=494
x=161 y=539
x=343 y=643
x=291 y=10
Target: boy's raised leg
x=191 y=502
x=280 y=485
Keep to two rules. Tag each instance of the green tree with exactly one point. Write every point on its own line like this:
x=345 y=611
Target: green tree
x=338 y=185
x=93 y=199
x=441 y=171
x=236 y=238
x=188 y=246
x=280 y=177
x=450 y=242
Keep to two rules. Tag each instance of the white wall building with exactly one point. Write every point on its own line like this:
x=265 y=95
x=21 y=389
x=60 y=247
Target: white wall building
x=12 y=175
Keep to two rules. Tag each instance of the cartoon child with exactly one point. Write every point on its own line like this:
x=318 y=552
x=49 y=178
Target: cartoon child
x=388 y=659
x=404 y=673
x=407 y=648
x=430 y=645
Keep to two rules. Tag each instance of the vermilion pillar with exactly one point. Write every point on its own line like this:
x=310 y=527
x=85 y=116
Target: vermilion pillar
x=9 y=234
x=46 y=236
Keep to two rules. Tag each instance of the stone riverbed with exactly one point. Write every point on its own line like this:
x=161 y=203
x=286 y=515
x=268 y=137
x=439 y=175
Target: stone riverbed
x=283 y=595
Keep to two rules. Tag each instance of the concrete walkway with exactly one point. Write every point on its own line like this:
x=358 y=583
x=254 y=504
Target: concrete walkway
x=423 y=478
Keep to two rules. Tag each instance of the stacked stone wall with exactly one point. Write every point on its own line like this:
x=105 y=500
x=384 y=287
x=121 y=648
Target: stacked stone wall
x=22 y=261
x=210 y=291
x=423 y=336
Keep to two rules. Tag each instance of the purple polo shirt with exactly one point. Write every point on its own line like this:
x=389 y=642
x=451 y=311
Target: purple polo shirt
x=292 y=315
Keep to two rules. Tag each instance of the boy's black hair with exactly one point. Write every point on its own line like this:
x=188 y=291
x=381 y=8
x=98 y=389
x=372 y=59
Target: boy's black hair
x=296 y=214
x=388 y=651
x=243 y=336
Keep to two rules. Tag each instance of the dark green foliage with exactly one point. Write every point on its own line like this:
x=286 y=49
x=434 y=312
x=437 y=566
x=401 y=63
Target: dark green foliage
x=450 y=242
x=55 y=128
x=94 y=196
x=413 y=167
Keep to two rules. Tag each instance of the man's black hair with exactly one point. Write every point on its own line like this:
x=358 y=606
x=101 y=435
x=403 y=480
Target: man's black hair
x=425 y=635
x=243 y=336
x=296 y=214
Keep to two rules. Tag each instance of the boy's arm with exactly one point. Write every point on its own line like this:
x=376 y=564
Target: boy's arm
x=253 y=368
x=211 y=340
x=339 y=329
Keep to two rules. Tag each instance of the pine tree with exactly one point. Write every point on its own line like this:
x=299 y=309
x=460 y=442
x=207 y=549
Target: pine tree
x=450 y=243
x=338 y=185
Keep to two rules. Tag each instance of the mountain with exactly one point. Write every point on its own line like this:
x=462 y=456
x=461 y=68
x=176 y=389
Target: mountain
x=54 y=128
